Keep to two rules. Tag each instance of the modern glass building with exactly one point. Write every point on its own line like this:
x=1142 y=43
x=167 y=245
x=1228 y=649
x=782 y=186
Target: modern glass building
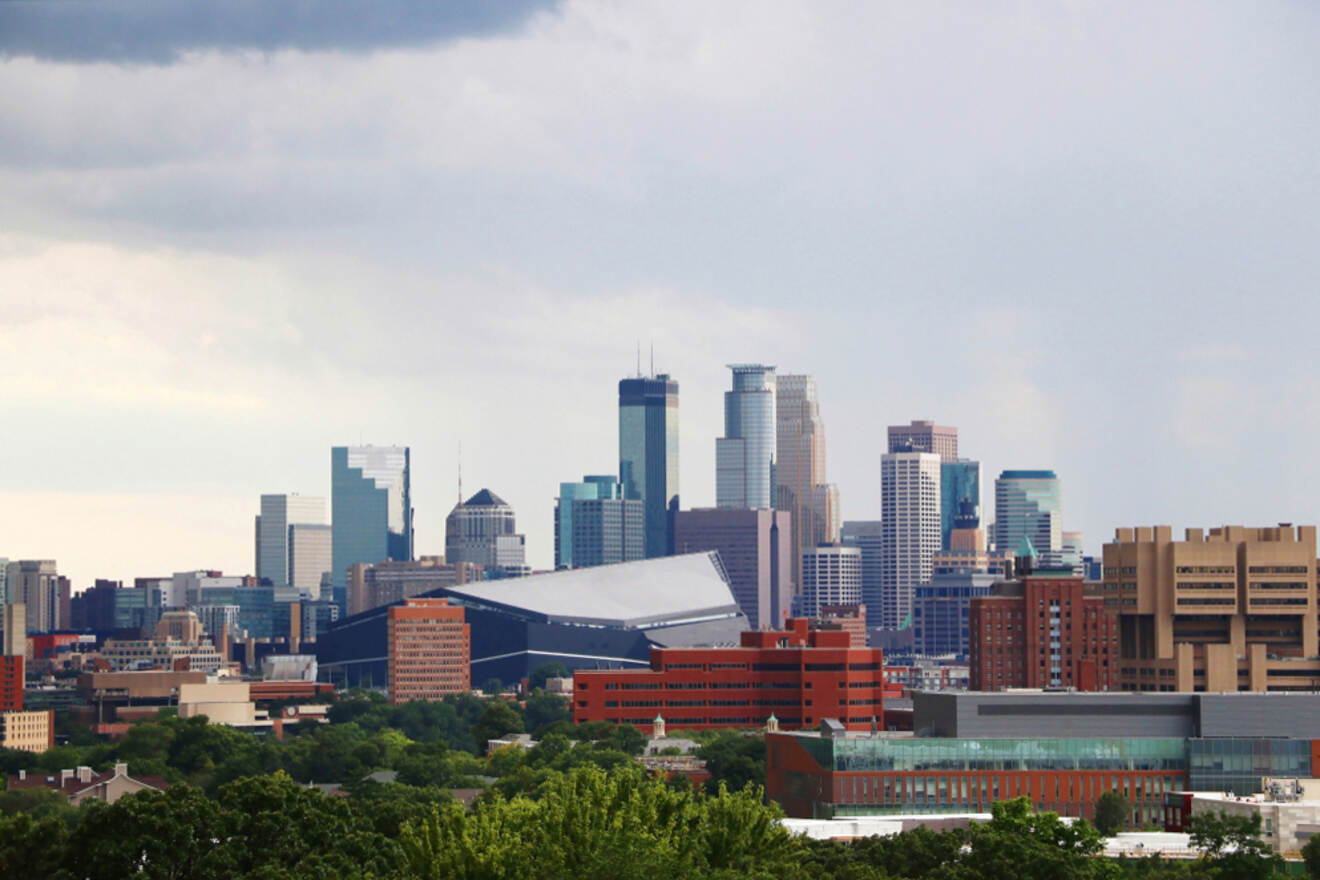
x=941 y=612
x=279 y=513
x=648 y=455
x=596 y=525
x=371 y=509
x=868 y=535
x=1028 y=505
x=960 y=481
x=745 y=455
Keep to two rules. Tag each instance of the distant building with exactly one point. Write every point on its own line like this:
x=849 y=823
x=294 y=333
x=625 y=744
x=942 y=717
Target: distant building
x=910 y=502
x=14 y=622
x=276 y=545
x=1028 y=505
x=596 y=525
x=795 y=676
x=1230 y=609
x=27 y=731
x=867 y=536
x=371 y=509
x=745 y=455
x=831 y=576
x=801 y=486
x=483 y=531
x=941 y=611
x=38 y=585
x=1048 y=629
x=178 y=645
x=960 y=497
x=924 y=436
x=755 y=549
x=430 y=649
x=11 y=682
x=83 y=784
x=387 y=583
x=648 y=455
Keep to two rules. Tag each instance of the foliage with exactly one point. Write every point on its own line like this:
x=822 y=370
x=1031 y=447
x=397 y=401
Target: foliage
x=546 y=671
x=1113 y=812
x=1231 y=847
x=734 y=760
x=498 y=720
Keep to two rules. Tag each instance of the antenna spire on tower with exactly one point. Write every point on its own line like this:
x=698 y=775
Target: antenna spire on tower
x=460 y=471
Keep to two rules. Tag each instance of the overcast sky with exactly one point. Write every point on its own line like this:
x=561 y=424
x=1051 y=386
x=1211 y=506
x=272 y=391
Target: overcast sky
x=235 y=234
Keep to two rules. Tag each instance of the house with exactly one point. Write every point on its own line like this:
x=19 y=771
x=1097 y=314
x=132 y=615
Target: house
x=83 y=784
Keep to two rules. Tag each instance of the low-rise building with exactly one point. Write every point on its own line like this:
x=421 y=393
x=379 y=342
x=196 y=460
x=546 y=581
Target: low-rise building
x=429 y=647
x=27 y=731
x=83 y=784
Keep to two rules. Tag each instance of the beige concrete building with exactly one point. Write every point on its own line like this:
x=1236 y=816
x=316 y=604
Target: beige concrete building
x=222 y=702
x=1230 y=609
x=1286 y=823
x=27 y=731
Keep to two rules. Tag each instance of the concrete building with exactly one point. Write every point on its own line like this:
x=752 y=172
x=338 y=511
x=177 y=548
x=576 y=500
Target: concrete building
x=868 y=536
x=800 y=482
x=596 y=525
x=14 y=621
x=910 y=530
x=178 y=645
x=796 y=676
x=925 y=436
x=745 y=456
x=27 y=731
x=648 y=455
x=1028 y=505
x=37 y=584
x=83 y=784
x=190 y=588
x=483 y=531
x=831 y=576
x=1229 y=609
x=430 y=648
x=1048 y=629
x=222 y=702
x=276 y=545
x=370 y=509
x=755 y=549
x=387 y=583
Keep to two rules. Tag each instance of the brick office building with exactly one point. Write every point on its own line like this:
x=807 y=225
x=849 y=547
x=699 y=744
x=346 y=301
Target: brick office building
x=799 y=675
x=429 y=647
x=1048 y=629
x=11 y=684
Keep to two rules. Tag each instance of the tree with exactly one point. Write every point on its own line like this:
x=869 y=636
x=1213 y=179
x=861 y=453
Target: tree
x=735 y=760
x=1017 y=842
x=499 y=719
x=544 y=711
x=1311 y=855
x=545 y=671
x=1231 y=846
x=491 y=687
x=1113 y=812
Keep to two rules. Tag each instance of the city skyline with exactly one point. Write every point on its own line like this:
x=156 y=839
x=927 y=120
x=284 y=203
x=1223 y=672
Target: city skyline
x=1059 y=228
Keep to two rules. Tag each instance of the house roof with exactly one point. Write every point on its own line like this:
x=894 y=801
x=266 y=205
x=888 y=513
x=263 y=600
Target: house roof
x=73 y=786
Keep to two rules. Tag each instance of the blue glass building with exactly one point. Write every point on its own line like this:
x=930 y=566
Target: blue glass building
x=960 y=481
x=1028 y=505
x=648 y=455
x=745 y=456
x=596 y=525
x=371 y=509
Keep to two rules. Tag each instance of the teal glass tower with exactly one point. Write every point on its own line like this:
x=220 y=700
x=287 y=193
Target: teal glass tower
x=371 y=509
x=960 y=481
x=1028 y=505
x=648 y=455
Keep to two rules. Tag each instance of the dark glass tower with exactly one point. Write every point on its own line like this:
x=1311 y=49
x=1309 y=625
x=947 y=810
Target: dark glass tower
x=371 y=509
x=648 y=455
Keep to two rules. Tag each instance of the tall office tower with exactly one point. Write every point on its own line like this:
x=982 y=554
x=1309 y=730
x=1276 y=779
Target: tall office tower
x=868 y=536
x=756 y=551
x=1027 y=506
x=745 y=455
x=311 y=556
x=910 y=534
x=36 y=584
x=831 y=576
x=94 y=607
x=1071 y=550
x=371 y=508
x=960 y=494
x=483 y=531
x=596 y=525
x=648 y=455
x=922 y=436
x=800 y=486
x=279 y=514
x=429 y=646
x=1231 y=609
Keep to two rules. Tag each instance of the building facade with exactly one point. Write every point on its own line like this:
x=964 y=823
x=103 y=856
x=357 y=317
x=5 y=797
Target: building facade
x=797 y=675
x=371 y=509
x=27 y=731
x=831 y=576
x=430 y=648
x=1028 y=505
x=941 y=611
x=755 y=548
x=483 y=531
x=1230 y=609
x=1046 y=630
x=868 y=536
x=910 y=530
x=648 y=455
x=745 y=456
x=924 y=436
x=960 y=497
x=386 y=583
x=38 y=585
x=800 y=483
x=596 y=525
x=274 y=550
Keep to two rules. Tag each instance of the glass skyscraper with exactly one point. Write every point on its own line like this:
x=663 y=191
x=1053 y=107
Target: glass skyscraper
x=278 y=514
x=745 y=455
x=371 y=509
x=1027 y=505
x=648 y=455
x=596 y=525
x=960 y=480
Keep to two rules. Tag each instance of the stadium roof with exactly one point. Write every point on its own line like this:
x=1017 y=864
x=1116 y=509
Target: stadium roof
x=631 y=595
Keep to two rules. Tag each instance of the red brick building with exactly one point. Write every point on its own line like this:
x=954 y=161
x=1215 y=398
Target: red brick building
x=11 y=684
x=797 y=674
x=1046 y=630
x=429 y=648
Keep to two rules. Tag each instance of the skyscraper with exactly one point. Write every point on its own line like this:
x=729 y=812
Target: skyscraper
x=755 y=551
x=1027 y=505
x=960 y=481
x=37 y=584
x=596 y=525
x=924 y=436
x=371 y=508
x=910 y=502
x=800 y=486
x=483 y=530
x=831 y=575
x=648 y=455
x=278 y=514
x=868 y=536
x=745 y=455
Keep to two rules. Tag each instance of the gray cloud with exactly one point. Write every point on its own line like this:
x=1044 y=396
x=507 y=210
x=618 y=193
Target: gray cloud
x=157 y=31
